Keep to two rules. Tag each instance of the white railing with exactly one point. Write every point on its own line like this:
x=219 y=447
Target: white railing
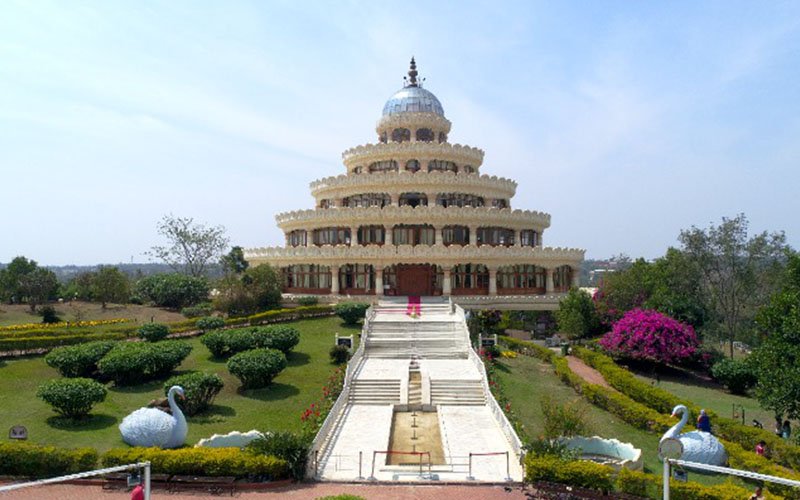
x=668 y=462
x=81 y=475
x=497 y=412
x=317 y=445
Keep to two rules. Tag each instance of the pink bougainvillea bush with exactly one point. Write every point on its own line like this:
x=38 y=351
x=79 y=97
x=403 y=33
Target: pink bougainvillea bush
x=650 y=335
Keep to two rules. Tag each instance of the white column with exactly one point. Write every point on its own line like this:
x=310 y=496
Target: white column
x=548 y=285
x=492 y=281
x=576 y=277
x=518 y=238
x=431 y=198
x=378 y=279
x=394 y=199
x=288 y=244
x=438 y=240
x=446 y=287
x=387 y=235
x=309 y=237
x=541 y=238
x=335 y=279
x=354 y=236
x=473 y=235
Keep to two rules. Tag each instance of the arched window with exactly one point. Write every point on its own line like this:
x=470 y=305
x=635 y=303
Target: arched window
x=325 y=203
x=331 y=236
x=413 y=234
x=371 y=235
x=425 y=135
x=382 y=137
x=495 y=236
x=458 y=200
x=469 y=279
x=455 y=235
x=297 y=238
x=521 y=279
x=367 y=200
x=442 y=166
x=412 y=165
x=468 y=169
x=357 y=279
x=413 y=199
x=401 y=135
x=307 y=278
x=562 y=278
x=383 y=166
x=442 y=137
x=499 y=203
x=529 y=238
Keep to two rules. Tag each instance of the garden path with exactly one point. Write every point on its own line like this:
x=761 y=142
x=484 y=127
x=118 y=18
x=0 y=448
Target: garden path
x=586 y=372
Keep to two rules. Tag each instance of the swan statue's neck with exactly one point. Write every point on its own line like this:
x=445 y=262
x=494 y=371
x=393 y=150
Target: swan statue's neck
x=176 y=410
x=677 y=428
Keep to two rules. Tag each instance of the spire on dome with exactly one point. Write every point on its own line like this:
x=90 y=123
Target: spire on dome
x=412 y=73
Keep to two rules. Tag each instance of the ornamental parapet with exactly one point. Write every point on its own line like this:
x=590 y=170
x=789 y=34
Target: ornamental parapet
x=421 y=254
x=368 y=153
x=404 y=181
x=435 y=215
x=413 y=121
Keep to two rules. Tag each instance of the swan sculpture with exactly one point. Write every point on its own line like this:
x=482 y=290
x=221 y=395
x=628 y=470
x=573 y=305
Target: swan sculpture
x=698 y=446
x=152 y=427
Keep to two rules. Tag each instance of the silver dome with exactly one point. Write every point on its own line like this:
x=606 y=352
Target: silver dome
x=413 y=99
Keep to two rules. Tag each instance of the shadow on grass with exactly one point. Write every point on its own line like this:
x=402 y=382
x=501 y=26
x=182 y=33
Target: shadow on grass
x=298 y=358
x=275 y=392
x=93 y=422
x=674 y=374
x=151 y=385
x=213 y=415
x=503 y=367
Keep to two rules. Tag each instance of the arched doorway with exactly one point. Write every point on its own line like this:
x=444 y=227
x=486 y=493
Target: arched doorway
x=413 y=279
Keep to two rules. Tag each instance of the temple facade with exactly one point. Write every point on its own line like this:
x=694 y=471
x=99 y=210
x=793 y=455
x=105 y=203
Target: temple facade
x=413 y=215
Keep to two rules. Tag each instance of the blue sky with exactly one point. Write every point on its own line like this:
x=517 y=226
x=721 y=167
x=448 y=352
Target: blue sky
x=627 y=121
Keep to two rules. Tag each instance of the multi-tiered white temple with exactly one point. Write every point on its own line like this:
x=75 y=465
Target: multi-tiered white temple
x=414 y=216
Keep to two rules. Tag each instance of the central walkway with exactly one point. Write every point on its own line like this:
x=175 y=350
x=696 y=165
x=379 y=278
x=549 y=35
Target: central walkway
x=417 y=358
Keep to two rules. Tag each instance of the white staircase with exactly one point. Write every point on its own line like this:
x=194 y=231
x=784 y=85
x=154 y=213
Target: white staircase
x=375 y=392
x=424 y=339
x=457 y=392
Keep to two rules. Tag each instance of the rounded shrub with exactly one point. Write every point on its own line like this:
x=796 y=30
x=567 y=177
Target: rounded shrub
x=153 y=332
x=339 y=354
x=308 y=301
x=282 y=338
x=735 y=374
x=199 y=388
x=650 y=336
x=49 y=314
x=257 y=368
x=227 y=342
x=134 y=362
x=78 y=360
x=209 y=323
x=72 y=397
x=202 y=309
x=351 y=312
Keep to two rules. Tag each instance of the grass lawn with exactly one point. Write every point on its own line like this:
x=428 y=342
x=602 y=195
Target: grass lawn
x=277 y=407
x=527 y=380
x=88 y=311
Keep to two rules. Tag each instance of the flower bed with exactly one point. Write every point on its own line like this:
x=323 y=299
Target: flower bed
x=315 y=414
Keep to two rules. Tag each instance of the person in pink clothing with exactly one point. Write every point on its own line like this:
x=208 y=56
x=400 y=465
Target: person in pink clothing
x=137 y=493
x=761 y=448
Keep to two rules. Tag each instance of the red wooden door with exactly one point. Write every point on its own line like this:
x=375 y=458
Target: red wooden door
x=414 y=279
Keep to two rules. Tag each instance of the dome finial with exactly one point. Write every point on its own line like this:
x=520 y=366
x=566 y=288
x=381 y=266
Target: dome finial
x=413 y=73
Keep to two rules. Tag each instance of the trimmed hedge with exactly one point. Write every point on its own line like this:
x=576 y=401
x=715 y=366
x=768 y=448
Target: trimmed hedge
x=72 y=397
x=580 y=473
x=227 y=342
x=201 y=462
x=257 y=368
x=351 y=312
x=209 y=323
x=199 y=388
x=78 y=360
x=34 y=461
x=153 y=332
x=136 y=362
x=50 y=341
x=735 y=374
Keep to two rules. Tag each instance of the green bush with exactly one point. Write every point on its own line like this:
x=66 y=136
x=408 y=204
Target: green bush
x=226 y=342
x=134 y=362
x=173 y=290
x=72 y=397
x=202 y=309
x=735 y=374
x=351 y=312
x=308 y=301
x=49 y=314
x=339 y=354
x=48 y=340
x=34 y=461
x=288 y=446
x=78 y=360
x=153 y=332
x=257 y=368
x=209 y=323
x=199 y=388
x=633 y=482
x=578 y=473
x=200 y=461
x=283 y=338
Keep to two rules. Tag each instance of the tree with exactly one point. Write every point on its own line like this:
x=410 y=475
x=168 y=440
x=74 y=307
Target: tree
x=174 y=290
x=234 y=262
x=258 y=288
x=191 y=245
x=777 y=361
x=38 y=286
x=10 y=287
x=109 y=284
x=577 y=316
x=738 y=273
x=651 y=336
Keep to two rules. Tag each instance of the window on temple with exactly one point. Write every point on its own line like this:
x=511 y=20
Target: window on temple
x=371 y=235
x=382 y=137
x=495 y=236
x=458 y=200
x=422 y=234
x=442 y=166
x=413 y=199
x=469 y=169
x=367 y=200
x=308 y=277
x=358 y=170
x=331 y=236
x=469 y=277
x=325 y=203
x=401 y=135
x=562 y=278
x=412 y=165
x=529 y=238
x=499 y=203
x=425 y=135
x=297 y=238
x=390 y=278
x=455 y=235
x=521 y=278
x=442 y=137
x=383 y=166
x=356 y=277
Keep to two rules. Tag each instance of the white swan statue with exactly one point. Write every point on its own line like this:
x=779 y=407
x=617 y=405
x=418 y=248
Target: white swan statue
x=698 y=446
x=152 y=427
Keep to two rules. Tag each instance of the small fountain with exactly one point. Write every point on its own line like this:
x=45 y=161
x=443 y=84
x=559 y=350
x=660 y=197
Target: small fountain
x=607 y=451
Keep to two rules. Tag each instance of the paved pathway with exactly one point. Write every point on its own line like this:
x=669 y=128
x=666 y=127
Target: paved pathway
x=308 y=491
x=586 y=372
